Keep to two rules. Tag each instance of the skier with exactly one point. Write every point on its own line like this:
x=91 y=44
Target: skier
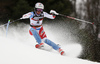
x=36 y=19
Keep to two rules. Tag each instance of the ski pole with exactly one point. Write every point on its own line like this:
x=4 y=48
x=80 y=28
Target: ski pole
x=76 y=19
x=9 y=22
x=7 y=27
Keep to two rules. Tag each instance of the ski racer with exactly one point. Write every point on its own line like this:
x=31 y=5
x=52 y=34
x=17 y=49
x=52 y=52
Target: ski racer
x=36 y=19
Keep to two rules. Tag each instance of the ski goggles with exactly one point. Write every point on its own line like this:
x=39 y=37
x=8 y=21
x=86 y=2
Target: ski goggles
x=40 y=10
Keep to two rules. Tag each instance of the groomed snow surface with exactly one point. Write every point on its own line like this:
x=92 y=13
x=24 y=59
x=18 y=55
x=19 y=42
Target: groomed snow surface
x=19 y=48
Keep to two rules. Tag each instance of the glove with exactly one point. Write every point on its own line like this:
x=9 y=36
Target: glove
x=54 y=12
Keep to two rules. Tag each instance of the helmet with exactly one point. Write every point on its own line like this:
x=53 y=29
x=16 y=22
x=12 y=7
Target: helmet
x=39 y=5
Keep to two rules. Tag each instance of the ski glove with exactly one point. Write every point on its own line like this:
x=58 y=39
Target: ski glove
x=54 y=12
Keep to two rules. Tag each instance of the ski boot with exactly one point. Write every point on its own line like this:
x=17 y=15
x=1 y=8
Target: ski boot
x=39 y=45
x=61 y=51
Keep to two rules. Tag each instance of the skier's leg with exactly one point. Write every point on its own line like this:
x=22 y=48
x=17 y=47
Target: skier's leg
x=49 y=42
x=52 y=44
x=34 y=31
x=35 y=34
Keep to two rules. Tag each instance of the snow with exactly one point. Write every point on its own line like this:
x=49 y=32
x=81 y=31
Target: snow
x=19 y=48
x=14 y=52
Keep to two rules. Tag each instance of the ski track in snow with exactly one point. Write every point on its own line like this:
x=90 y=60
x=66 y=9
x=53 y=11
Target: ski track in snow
x=19 y=47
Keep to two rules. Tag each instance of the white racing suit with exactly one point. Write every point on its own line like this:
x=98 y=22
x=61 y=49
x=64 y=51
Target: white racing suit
x=37 y=29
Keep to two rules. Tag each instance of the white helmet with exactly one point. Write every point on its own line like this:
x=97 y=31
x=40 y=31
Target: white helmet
x=39 y=5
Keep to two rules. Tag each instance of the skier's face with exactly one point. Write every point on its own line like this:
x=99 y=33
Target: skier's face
x=38 y=11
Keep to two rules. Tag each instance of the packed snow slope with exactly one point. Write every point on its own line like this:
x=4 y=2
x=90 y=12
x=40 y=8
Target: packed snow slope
x=19 y=47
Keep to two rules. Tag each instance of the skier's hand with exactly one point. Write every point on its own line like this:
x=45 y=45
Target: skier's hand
x=54 y=12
